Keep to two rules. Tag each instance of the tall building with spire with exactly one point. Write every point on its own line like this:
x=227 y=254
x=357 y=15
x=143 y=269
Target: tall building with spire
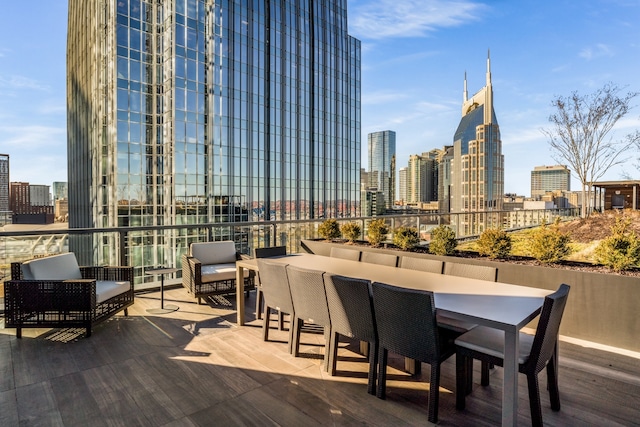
x=205 y=111
x=477 y=169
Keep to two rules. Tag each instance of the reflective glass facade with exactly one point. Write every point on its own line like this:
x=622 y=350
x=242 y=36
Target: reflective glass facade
x=196 y=111
x=382 y=164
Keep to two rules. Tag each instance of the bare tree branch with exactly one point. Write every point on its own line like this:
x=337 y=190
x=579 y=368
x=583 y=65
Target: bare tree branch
x=579 y=135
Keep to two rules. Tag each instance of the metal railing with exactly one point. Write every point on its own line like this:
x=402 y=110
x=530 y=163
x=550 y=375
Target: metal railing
x=151 y=246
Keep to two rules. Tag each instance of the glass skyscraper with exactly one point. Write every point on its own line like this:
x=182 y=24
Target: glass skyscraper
x=382 y=164
x=196 y=111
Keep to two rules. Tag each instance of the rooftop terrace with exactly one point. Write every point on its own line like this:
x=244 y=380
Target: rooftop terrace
x=195 y=367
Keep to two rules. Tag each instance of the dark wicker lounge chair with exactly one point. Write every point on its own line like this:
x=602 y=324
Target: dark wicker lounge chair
x=72 y=296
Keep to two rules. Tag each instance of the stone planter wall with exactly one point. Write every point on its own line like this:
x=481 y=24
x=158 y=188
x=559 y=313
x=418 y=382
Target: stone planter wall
x=602 y=308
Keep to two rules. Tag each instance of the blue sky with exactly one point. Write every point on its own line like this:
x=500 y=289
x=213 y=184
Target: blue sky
x=414 y=56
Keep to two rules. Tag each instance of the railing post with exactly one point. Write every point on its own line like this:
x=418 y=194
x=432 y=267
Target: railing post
x=123 y=236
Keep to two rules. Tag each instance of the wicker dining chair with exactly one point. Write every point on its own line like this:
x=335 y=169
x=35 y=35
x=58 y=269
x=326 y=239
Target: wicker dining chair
x=480 y=272
x=265 y=253
x=276 y=294
x=422 y=264
x=310 y=302
x=352 y=315
x=536 y=353
x=379 y=258
x=349 y=254
x=406 y=324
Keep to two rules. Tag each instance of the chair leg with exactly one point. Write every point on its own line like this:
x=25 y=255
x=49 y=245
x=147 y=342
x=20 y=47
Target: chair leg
x=484 y=373
x=462 y=375
x=258 y=304
x=534 y=400
x=373 y=366
x=265 y=324
x=434 y=392
x=18 y=332
x=126 y=311
x=382 y=373
x=281 y=321
x=552 y=384
x=469 y=374
x=328 y=349
x=199 y=300
x=297 y=326
x=333 y=343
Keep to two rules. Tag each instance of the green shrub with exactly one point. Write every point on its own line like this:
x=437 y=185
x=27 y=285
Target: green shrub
x=377 y=232
x=443 y=240
x=406 y=237
x=494 y=243
x=329 y=229
x=351 y=231
x=549 y=244
x=621 y=250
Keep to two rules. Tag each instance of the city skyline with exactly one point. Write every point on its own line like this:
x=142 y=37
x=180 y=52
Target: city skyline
x=414 y=56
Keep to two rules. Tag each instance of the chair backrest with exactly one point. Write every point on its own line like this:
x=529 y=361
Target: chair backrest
x=350 y=307
x=406 y=321
x=308 y=295
x=480 y=272
x=55 y=267
x=269 y=252
x=223 y=252
x=548 y=329
x=379 y=258
x=275 y=285
x=422 y=264
x=350 y=254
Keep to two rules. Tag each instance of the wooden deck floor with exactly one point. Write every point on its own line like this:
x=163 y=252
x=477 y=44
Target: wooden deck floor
x=195 y=367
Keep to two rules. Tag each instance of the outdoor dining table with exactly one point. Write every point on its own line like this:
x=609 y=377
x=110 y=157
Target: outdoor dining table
x=497 y=305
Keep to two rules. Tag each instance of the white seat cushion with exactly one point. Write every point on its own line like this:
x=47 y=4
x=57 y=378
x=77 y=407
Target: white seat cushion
x=214 y=252
x=106 y=289
x=491 y=341
x=56 y=267
x=216 y=272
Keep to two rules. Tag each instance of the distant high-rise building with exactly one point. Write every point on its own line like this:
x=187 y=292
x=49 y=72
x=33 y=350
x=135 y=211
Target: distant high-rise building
x=204 y=111
x=27 y=199
x=60 y=190
x=382 y=164
x=478 y=164
x=422 y=177
x=548 y=179
x=402 y=184
x=4 y=182
x=444 y=179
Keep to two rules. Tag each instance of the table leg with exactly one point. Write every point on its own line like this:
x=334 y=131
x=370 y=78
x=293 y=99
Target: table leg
x=510 y=380
x=240 y=294
x=162 y=291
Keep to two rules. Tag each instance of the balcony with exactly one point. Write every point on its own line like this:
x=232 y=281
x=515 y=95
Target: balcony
x=196 y=367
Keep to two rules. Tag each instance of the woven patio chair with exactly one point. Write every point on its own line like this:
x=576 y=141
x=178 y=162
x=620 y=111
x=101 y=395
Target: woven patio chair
x=536 y=353
x=265 y=253
x=406 y=324
x=351 y=313
x=350 y=254
x=480 y=272
x=310 y=302
x=276 y=294
x=422 y=264
x=379 y=258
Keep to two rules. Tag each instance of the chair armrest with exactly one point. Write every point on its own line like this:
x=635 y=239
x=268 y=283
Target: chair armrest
x=45 y=295
x=244 y=256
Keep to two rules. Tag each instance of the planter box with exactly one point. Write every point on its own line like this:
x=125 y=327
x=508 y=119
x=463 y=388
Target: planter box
x=602 y=308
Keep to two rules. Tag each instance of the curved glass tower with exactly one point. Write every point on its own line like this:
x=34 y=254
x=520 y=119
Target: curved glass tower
x=196 y=111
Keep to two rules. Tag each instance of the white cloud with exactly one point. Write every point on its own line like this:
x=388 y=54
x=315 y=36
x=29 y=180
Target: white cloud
x=598 y=51
x=21 y=82
x=31 y=138
x=409 y=18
